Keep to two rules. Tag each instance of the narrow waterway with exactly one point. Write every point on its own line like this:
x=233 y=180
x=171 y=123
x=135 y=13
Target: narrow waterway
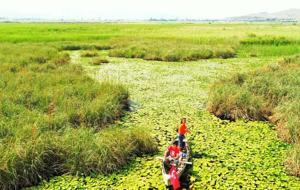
x=227 y=155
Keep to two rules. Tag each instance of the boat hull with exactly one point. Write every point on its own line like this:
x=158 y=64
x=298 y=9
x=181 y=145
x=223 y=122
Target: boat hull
x=181 y=167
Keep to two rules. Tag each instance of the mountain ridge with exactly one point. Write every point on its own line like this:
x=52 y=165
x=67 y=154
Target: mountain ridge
x=285 y=15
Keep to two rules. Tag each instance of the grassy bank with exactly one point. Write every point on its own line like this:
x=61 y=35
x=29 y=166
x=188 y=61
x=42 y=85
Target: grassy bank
x=270 y=93
x=50 y=115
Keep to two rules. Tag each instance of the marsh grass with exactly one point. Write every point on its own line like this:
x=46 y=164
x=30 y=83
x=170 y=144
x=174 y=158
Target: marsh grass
x=268 y=40
x=105 y=151
x=51 y=113
x=293 y=161
x=99 y=61
x=270 y=93
x=78 y=46
x=267 y=46
x=162 y=42
x=267 y=50
x=90 y=53
x=53 y=117
x=171 y=50
x=61 y=59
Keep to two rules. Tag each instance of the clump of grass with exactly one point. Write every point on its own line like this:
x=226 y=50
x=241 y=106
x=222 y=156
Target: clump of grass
x=77 y=151
x=28 y=162
x=142 y=141
x=78 y=46
x=99 y=61
x=172 y=55
x=91 y=53
x=293 y=161
x=257 y=50
x=253 y=54
x=252 y=35
x=100 y=111
x=171 y=50
x=267 y=45
x=50 y=117
x=224 y=53
x=106 y=151
x=268 y=40
x=270 y=93
x=62 y=59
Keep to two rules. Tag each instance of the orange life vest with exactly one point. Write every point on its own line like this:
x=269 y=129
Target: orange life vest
x=182 y=129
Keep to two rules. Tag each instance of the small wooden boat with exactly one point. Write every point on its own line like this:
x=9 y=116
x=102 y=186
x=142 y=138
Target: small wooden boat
x=181 y=166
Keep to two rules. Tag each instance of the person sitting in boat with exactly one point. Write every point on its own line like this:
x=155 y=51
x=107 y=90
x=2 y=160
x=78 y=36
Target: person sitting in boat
x=182 y=130
x=172 y=153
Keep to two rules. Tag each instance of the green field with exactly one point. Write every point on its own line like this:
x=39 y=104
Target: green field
x=65 y=90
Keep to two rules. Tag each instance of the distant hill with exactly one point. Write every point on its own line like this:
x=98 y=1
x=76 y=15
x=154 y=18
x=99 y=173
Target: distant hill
x=286 y=15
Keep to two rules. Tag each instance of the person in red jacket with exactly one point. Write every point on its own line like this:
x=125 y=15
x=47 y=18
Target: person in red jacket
x=174 y=179
x=182 y=130
x=172 y=152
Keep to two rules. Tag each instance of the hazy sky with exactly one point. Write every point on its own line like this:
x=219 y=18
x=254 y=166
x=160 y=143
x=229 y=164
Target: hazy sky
x=139 y=9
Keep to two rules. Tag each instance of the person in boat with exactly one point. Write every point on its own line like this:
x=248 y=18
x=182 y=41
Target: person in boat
x=172 y=153
x=182 y=130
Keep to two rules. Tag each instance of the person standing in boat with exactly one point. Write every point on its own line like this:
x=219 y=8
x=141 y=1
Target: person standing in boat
x=182 y=130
